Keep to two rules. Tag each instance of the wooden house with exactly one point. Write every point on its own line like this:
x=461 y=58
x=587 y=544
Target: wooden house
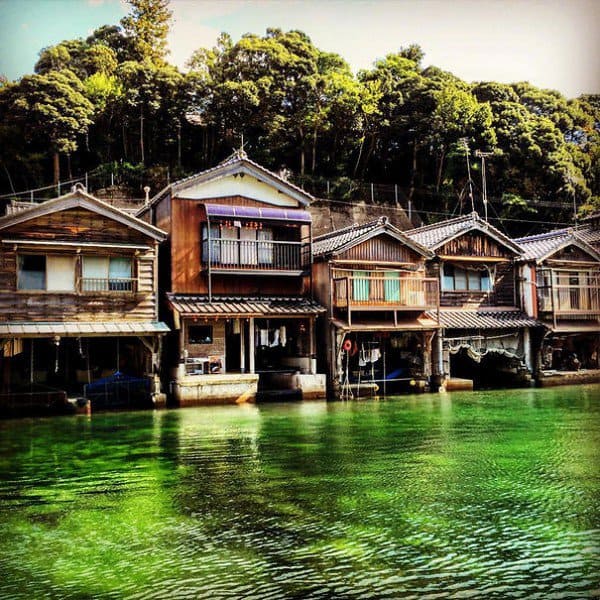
x=78 y=300
x=486 y=337
x=560 y=286
x=236 y=269
x=372 y=278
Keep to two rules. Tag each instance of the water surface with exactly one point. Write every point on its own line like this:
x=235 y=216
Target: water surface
x=484 y=494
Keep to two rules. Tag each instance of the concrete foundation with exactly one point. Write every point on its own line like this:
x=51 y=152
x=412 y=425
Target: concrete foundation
x=554 y=378
x=226 y=388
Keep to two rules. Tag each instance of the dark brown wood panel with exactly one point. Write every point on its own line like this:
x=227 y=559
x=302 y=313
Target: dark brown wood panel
x=474 y=244
x=382 y=248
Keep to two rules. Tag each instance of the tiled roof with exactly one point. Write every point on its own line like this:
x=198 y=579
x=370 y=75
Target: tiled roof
x=433 y=236
x=81 y=328
x=483 y=319
x=338 y=239
x=244 y=306
x=540 y=246
x=330 y=242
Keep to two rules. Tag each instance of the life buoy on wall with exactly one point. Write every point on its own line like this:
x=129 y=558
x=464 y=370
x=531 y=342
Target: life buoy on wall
x=347 y=346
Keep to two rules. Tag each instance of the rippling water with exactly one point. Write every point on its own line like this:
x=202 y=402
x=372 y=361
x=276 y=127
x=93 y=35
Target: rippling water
x=485 y=494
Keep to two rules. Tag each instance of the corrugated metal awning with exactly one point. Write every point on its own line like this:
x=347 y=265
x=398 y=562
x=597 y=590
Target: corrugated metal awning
x=81 y=329
x=484 y=319
x=243 y=307
x=255 y=212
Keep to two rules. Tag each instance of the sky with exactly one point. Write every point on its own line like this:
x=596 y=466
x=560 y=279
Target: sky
x=550 y=43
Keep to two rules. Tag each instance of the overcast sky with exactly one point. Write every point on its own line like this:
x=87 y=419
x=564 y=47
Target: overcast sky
x=551 y=43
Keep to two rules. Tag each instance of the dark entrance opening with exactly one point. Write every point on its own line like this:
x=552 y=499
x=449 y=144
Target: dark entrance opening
x=494 y=370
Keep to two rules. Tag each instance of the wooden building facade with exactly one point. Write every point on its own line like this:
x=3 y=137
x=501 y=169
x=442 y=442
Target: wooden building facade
x=560 y=286
x=236 y=269
x=78 y=301
x=486 y=337
x=372 y=279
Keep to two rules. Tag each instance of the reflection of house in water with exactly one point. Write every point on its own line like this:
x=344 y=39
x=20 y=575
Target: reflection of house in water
x=372 y=279
x=78 y=303
x=560 y=275
x=486 y=336
x=237 y=273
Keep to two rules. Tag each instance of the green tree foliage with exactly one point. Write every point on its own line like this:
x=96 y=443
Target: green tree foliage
x=112 y=99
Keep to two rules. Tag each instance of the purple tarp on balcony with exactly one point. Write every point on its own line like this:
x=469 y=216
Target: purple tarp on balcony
x=254 y=212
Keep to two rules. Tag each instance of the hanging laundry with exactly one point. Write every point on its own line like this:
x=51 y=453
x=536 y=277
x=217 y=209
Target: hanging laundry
x=275 y=341
x=283 y=335
x=375 y=354
x=263 y=337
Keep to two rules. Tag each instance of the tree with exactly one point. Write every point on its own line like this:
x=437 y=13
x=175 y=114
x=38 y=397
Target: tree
x=51 y=107
x=147 y=26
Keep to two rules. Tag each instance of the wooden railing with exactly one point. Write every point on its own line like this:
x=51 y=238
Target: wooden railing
x=372 y=292
x=263 y=255
x=565 y=300
x=95 y=284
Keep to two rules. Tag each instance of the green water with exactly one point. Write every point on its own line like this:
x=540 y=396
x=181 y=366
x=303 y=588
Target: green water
x=485 y=494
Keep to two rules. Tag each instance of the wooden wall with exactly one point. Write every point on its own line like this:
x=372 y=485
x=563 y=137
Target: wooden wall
x=187 y=275
x=382 y=248
x=72 y=306
x=475 y=243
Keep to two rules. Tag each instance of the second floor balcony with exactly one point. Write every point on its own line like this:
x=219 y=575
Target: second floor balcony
x=221 y=255
x=581 y=301
x=368 y=290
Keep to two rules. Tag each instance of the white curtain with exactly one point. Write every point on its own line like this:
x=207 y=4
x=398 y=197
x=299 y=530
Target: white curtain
x=60 y=273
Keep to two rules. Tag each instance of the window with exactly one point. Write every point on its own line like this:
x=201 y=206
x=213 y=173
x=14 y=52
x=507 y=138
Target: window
x=234 y=244
x=49 y=273
x=104 y=273
x=459 y=279
x=200 y=334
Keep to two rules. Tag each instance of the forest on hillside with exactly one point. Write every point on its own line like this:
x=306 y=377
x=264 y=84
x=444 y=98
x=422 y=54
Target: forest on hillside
x=111 y=102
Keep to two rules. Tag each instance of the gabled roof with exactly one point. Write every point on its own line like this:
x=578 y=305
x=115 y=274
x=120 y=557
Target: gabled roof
x=544 y=245
x=340 y=240
x=237 y=164
x=483 y=319
x=81 y=199
x=436 y=235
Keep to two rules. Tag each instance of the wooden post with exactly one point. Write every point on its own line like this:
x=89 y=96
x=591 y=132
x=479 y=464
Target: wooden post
x=311 y=342
x=251 y=342
x=242 y=346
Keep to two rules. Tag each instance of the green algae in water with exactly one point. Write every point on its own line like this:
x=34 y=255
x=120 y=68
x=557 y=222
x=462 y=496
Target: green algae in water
x=492 y=494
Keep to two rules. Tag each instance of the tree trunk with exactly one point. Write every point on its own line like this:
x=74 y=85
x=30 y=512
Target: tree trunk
x=69 y=172
x=124 y=135
x=56 y=163
x=438 y=182
x=360 y=149
x=413 y=173
x=314 y=152
x=142 y=135
x=179 y=144
x=302 y=153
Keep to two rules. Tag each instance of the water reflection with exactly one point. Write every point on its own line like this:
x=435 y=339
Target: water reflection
x=489 y=494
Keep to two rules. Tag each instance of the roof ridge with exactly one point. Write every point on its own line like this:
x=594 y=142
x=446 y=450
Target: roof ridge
x=545 y=235
x=441 y=223
x=353 y=227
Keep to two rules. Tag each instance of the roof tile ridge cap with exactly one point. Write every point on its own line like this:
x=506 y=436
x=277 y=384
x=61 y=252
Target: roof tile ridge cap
x=543 y=236
x=439 y=224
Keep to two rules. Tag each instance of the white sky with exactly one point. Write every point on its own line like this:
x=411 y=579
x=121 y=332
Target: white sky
x=551 y=43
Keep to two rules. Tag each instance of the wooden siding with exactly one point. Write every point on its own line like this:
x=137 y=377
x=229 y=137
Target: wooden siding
x=76 y=306
x=187 y=274
x=571 y=254
x=382 y=248
x=474 y=244
x=76 y=225
x=503 y=293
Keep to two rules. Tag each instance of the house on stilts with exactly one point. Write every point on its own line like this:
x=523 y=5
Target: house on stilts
x=486 y=337
x=78 y=305
x=372 y=279
x=236 y=269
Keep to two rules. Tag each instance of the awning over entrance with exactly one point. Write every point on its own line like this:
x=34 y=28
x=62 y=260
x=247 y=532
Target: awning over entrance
x=254 y=212
x=243 y=307
x=420 y=324
x=82 y=329
x=484 y=319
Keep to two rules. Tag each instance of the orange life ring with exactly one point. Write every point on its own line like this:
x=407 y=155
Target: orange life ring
x=347 y=346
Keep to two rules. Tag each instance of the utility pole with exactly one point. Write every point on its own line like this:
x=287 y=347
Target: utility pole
x=465 y=144
x=483 y=156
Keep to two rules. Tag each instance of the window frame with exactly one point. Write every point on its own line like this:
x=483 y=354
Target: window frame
x=449 y=273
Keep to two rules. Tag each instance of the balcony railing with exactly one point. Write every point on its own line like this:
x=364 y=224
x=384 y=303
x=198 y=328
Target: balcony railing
x=570 y=300
x=378 y=292
x=121 y=284
x=255 y=255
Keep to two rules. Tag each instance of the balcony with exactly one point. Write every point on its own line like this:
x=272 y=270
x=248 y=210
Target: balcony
x=570 y=301
x=112 y=285
x=252 y=257
x=385 y=292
